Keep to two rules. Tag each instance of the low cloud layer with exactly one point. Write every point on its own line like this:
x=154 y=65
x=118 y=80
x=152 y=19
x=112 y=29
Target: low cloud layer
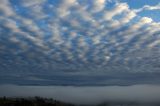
x=86 y=95
x=55 y=41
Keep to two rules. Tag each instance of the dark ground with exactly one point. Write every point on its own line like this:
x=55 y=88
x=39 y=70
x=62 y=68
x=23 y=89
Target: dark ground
x=38 y=101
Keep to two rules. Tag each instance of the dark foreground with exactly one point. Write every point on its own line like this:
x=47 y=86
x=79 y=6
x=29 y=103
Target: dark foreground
x=38 y=101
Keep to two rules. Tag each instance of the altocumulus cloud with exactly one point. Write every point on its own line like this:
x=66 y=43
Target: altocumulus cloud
x=77 y=42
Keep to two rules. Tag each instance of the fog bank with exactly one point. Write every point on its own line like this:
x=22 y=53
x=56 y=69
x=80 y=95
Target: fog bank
x=86 y=95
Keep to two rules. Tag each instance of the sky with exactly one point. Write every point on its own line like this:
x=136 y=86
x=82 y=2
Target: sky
x=79 y=42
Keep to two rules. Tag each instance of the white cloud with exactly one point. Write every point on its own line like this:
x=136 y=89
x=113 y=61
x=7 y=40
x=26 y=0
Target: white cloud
x=148 y=7
x=29 y=3
x=118 y=9
x=6 y=8
x=153 y=44
x=98 y=5
x=86 y=34
x=63 y=9
x=146 y=20
x=129 y=15
x=35 y=8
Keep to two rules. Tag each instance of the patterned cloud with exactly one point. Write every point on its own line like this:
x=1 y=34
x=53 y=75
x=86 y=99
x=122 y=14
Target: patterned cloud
x=77 y=42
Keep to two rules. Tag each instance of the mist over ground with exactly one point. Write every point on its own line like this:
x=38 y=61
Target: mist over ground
x=86 y=95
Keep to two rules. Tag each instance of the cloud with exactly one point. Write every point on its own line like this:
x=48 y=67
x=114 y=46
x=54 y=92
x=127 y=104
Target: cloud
x=30 y=3
x=87 y=95
x=119 y=8
x=64 y=7
x=146 y=20
x=99 y=5
x=148 y=7
x=129 y=15
x=6 y=8
x=90 y=38
x=36 y=8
